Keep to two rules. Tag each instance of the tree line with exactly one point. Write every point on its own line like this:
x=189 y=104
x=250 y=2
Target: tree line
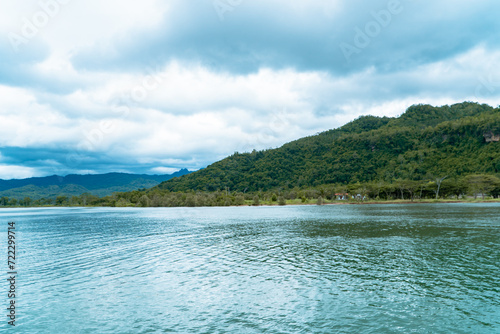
x=476 y=186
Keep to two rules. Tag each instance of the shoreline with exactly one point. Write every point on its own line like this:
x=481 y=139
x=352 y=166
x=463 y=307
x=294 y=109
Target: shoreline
x=388 y=202
x=427 y=201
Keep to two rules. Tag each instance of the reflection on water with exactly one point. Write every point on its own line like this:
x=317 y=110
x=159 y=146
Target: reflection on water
x=429 y=268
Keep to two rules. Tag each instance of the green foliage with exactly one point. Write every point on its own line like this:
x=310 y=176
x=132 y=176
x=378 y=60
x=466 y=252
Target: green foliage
x=281 y=200
x=426 y=140
x=61 y=200
x=482 y=184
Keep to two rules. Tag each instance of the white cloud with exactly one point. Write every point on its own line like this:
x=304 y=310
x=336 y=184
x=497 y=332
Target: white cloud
x=164 y=170
x=69 y=25
x=179 y=112
x=25 y=122
x=8 y=172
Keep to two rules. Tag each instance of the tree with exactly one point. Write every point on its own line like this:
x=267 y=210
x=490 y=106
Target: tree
x=421 y=185
x=411 y=186
x=239 y=200
x=4 y=201
x=455 y=187
x=122 y=202
x=61 y=200
x=388 y=190
x=26 y=201
x=438 y=182
x=256 y=200
x=156 y=201
x=144 y=201
x=85 y=198
x=401 y=185
x=75 y=200
x=191 y=201
x=482 y=184
x=495 y=192
x=281 y=200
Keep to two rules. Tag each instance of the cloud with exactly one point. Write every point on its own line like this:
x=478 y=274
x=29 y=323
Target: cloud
x=164 y=170
x=157 y=86
x=17 y=172
x=306 y=37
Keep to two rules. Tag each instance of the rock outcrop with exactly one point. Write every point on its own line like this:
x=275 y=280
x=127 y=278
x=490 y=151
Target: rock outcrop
x=491 y=137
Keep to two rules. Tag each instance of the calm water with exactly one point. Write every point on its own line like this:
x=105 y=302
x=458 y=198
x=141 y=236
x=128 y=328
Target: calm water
x=431 y=268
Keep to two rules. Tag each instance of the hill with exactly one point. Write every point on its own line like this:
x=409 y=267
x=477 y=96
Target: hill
x=75 y=185
x=423 y=143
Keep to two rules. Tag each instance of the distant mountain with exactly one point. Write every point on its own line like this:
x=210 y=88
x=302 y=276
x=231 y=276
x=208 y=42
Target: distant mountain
x=424 y=142
x=74 y=185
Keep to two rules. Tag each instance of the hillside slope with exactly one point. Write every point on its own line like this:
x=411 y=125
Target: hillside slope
x=74 y=185
x=452 y=140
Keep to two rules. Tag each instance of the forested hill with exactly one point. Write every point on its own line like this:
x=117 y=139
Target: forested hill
x=74 y=184
x=423 y=143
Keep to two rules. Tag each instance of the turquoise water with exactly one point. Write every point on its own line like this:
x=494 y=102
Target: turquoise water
x=430 y=268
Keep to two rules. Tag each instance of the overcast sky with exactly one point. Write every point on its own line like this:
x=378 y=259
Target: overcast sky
x=152 y=86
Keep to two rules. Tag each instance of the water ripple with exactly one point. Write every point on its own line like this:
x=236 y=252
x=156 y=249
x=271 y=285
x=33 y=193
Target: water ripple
x=342 y=269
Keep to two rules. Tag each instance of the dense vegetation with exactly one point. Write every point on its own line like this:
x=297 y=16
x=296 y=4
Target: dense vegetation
x=426 y=153
x=467 y=188
x=424 y=143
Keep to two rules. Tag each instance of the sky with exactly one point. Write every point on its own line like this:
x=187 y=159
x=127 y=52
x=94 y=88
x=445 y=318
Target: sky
x=153 y=86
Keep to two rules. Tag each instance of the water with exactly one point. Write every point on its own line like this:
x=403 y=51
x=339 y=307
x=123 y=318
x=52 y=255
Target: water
x=430 y=268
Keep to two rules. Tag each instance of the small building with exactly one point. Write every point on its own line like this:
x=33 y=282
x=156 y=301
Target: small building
x=342 y=196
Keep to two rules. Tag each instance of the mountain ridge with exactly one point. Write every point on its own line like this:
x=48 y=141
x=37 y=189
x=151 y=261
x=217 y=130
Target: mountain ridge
x=77 y=184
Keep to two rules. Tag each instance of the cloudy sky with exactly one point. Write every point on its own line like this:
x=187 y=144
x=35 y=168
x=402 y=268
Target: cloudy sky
x=152 y=86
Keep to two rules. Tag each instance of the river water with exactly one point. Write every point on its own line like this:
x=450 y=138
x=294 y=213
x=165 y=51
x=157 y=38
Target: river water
x=421 y=268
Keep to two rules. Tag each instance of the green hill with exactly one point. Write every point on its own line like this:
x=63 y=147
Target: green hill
x=424 y=142
x=75 y=185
